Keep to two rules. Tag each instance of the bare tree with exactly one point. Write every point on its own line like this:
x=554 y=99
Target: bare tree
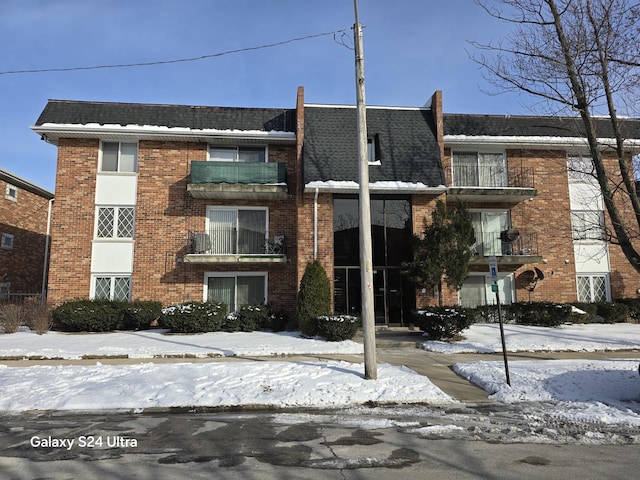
x=580 y=56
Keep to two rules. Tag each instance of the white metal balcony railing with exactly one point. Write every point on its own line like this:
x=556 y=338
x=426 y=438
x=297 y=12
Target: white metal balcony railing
x=232 y=241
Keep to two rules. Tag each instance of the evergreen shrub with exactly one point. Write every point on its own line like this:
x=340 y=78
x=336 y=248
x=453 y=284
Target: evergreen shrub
x=194 y=317
x=541 y=314
x=612 y=312
x=336 y=328
x=88 y=316
x=314 y=298
x=247 y=319
x=441 y=323
x=139 y=314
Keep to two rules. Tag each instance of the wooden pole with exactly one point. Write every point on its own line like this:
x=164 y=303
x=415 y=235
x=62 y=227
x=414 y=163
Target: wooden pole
x=366 y=250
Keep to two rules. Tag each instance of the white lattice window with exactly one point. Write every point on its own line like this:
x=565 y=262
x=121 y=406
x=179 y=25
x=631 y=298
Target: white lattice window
x=115 y=222
x=112 y=288
x=593 y=288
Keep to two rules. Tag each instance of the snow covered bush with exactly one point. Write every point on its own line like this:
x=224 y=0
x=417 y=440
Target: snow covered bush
x=278 y=320
x=247 y=319
x=441 y=323
x=194 y=317
x=541 y=314
x=337 y=328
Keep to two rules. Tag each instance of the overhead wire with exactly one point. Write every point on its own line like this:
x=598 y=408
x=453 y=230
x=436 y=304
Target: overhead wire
x=181 y=60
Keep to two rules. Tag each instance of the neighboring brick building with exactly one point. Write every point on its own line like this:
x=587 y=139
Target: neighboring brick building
x=24 y=215
x=178 y=202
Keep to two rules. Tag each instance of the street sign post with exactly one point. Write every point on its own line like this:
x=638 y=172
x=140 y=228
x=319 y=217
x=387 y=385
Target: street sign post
x=493 y=271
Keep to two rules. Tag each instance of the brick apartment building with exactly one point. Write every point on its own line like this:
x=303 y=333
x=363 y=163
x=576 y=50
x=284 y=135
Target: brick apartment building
x=24 y=215
x=175 y=203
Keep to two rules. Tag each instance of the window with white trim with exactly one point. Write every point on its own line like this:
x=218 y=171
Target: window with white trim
x=11 y=192
x=237 y=230
x=479 y=169
x=115 y=222
x=237 y=154
x=7 y=241
x=237 y=289
x=119 y=157
x=593 y=288
x=112 y=288
x=587 y=224
x=580 y=169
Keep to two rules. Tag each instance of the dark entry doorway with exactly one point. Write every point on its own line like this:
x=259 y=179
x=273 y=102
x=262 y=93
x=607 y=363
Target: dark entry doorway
x=394 y=297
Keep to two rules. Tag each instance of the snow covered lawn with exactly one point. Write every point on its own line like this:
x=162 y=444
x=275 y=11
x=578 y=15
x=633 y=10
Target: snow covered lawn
x=485 y=338
x=154 y=343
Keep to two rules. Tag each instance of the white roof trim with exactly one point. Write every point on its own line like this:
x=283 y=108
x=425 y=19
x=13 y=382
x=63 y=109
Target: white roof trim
x=529 y=141
x=347 y=186
x=60 y=129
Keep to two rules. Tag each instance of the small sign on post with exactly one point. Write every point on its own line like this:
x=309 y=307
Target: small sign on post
x=493 y=271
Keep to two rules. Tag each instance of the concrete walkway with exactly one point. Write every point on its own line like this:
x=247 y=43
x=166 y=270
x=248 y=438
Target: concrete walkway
x=399 y=346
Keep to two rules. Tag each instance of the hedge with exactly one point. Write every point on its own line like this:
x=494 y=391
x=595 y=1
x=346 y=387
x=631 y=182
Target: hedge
x=88 y=315
x=194 y=317
x=336 y=328
x=440 y=323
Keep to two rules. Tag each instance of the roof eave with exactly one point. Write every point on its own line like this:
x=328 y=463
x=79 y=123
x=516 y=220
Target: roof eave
x=531 y=141
x=53 y=132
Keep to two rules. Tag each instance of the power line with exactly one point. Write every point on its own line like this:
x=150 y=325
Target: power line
x=181 y=60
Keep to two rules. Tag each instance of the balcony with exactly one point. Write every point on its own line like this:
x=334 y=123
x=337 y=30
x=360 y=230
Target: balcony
x=509 y=247
x=472 y=183
x=238 y=181
x=230 y=245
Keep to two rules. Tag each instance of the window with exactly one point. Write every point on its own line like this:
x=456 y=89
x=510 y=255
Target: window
x=593 y=288
x=477 y=169
x=487 y=227
x=237 y=154
x=587 y=224
x=236 y=290
x=5 y=291
x=237 y=231
x=112 y=288
x=11 y=193
x=119 y=157
x=115 y=222
x=373 y=150
x=7 y=241
x=580 y=169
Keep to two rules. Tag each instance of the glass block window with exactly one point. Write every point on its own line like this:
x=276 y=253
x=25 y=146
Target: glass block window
x=115 y=222
x=112 y=288
x=593 y=288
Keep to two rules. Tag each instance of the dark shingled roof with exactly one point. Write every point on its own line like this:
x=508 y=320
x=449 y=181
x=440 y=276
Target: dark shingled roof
x=405 y=143
x=194 y=117
x=532 y=126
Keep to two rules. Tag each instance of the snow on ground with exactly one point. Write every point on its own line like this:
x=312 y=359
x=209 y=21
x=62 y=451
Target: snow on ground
x=154 y=343
x=603 y=391
x=485 y=338
x=584 y=390
x=148 y=385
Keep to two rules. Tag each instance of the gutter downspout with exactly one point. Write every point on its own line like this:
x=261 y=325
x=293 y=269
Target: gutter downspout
x=315 y=225
x=45 y=267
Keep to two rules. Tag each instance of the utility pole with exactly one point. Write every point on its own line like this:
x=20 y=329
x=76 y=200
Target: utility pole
x=366 y=251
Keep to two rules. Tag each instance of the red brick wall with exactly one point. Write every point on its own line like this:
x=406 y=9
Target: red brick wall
x=26 y=220
x=165 y=214
x=72 y=221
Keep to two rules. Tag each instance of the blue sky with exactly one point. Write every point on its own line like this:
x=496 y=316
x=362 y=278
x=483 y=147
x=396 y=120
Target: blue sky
x=412 y=48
